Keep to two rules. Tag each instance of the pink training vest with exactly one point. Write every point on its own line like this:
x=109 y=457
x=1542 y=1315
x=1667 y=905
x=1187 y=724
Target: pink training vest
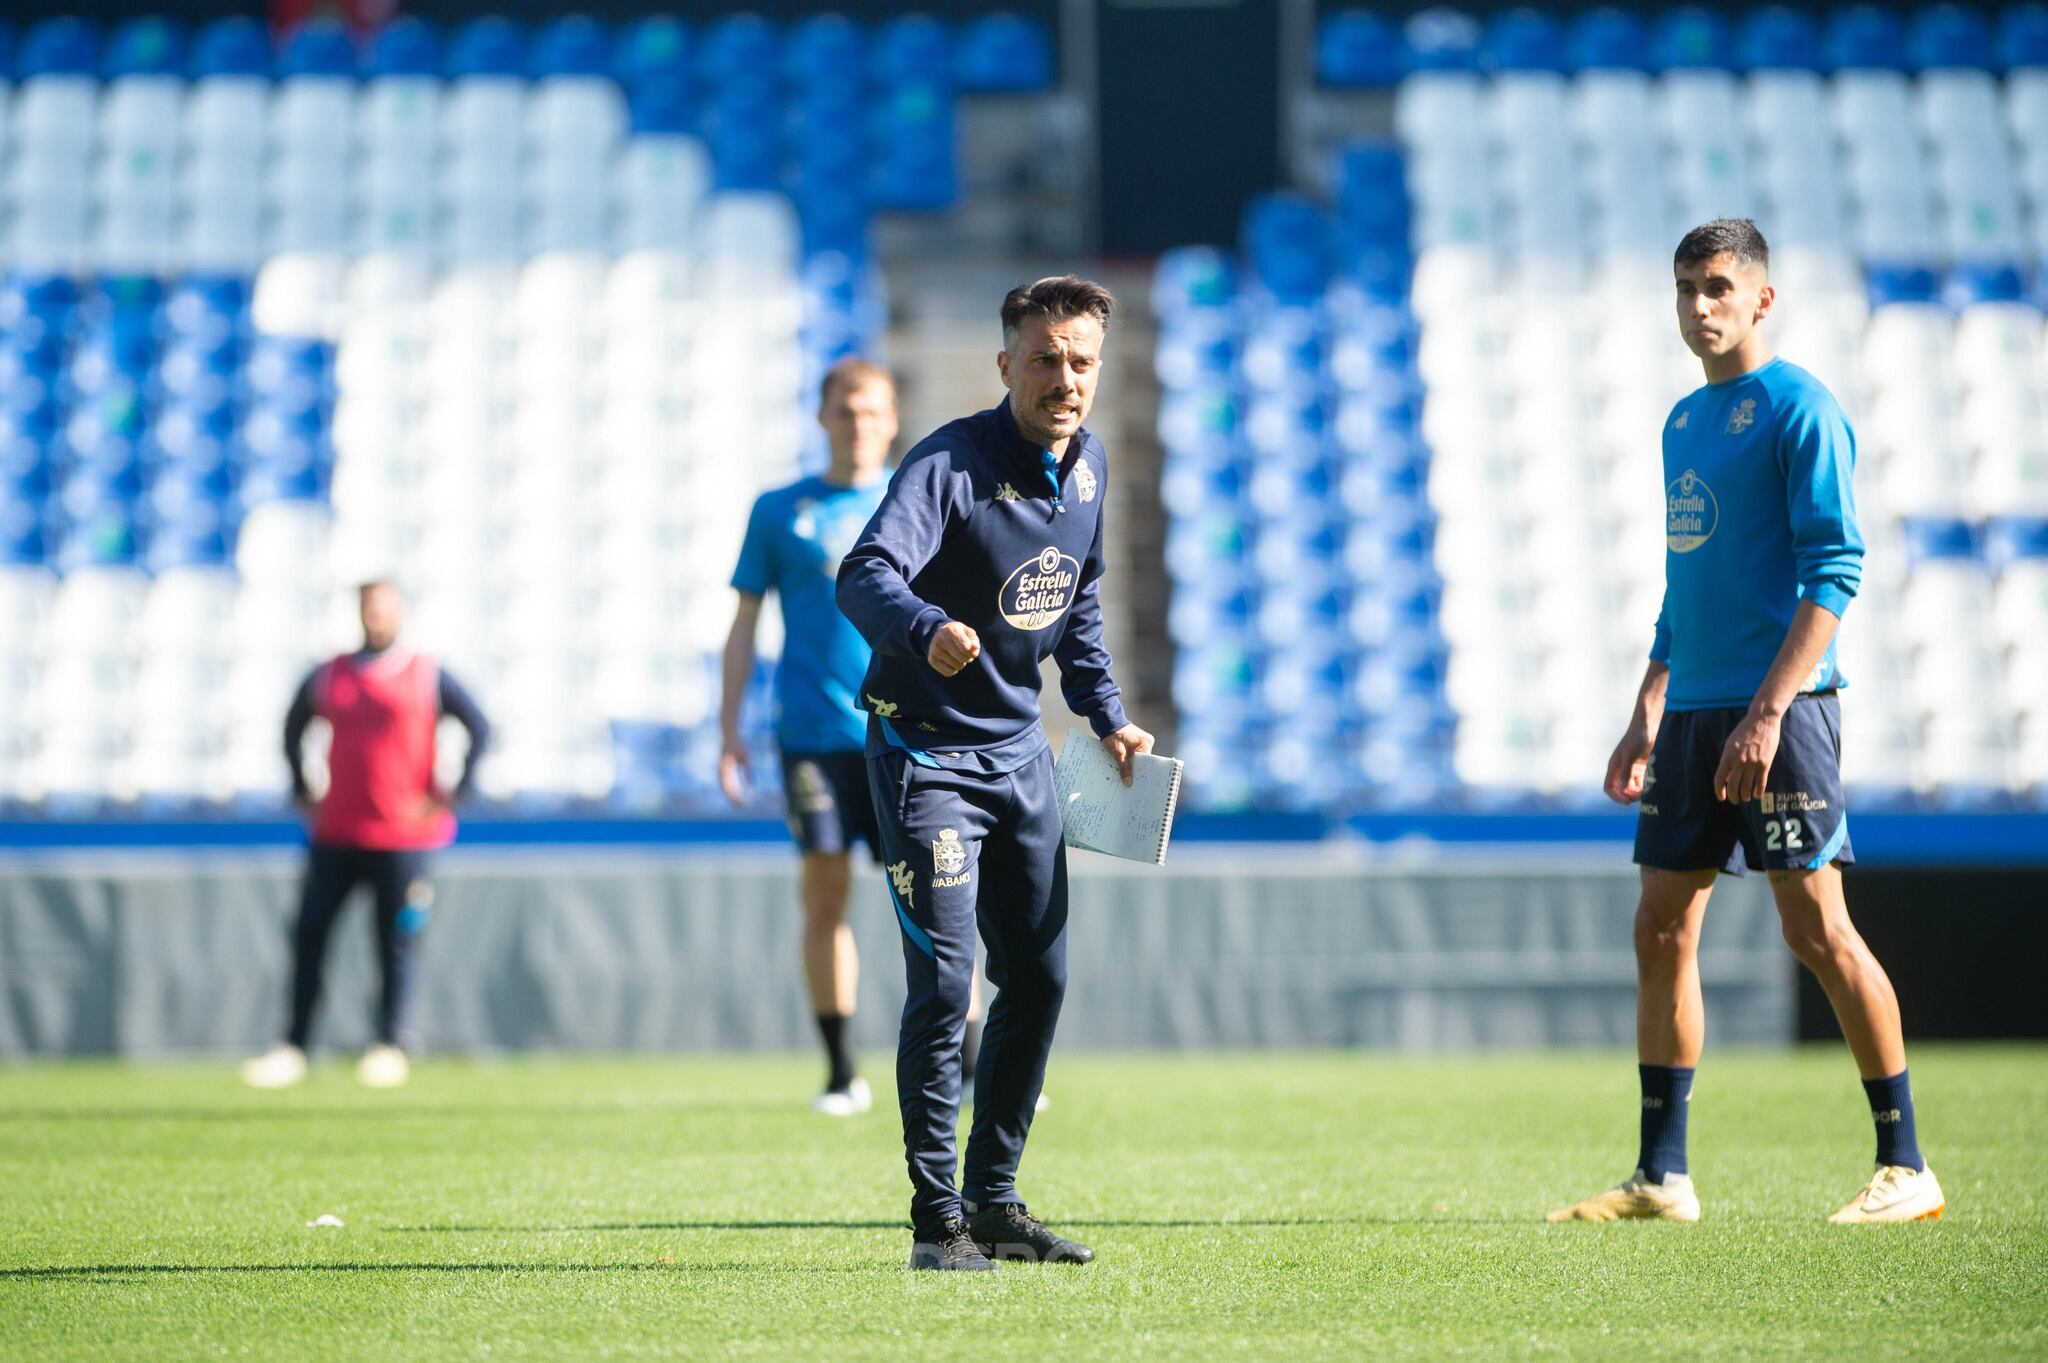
x=381 y=761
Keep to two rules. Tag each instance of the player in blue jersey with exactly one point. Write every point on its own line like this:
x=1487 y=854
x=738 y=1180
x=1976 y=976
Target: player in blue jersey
x=795 y=538
x=982 y=560
x=1734 y=748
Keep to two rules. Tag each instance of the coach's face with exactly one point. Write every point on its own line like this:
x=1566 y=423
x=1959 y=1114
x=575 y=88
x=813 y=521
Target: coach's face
x=1050 y=369
x=1720 y=302
x=383 y=611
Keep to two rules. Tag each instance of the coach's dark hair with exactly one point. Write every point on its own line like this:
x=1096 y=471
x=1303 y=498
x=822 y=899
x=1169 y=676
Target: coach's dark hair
x=1056 y=298
x=374 y=584
x=1737 y=237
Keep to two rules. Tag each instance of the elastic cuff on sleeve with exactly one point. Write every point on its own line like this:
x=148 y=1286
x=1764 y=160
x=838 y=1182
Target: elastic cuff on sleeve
x=924 y=627
x=1830 y=596
x=1109 y=718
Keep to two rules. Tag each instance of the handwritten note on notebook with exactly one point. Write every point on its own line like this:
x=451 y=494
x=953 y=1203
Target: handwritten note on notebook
x=1104 y=815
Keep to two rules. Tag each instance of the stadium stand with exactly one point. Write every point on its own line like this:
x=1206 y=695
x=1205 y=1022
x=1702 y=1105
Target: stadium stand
x=1413 y=421
x=525 y=318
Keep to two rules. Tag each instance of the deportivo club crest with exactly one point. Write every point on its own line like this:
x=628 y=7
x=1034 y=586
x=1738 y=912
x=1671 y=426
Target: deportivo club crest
x=1084 y=481
x=1743 y=417
x=948 y=856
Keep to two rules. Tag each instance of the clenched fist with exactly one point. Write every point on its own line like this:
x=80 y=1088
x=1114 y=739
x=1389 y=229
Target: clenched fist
x=953 y=647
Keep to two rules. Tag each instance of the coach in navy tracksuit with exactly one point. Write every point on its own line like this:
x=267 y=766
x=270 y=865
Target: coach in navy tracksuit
x=982 y=559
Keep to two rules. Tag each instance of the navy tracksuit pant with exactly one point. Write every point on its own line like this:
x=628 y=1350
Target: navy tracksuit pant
x=965 y=849
x=402 y=899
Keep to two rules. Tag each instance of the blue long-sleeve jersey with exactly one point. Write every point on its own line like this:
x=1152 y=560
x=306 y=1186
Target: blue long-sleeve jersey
x=980 y=526
x=1758 y=516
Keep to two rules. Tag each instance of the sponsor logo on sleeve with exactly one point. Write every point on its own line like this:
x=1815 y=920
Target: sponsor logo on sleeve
x=1039 y=590
x=1084 y=480
x=1690 y=513
x=1679 y=424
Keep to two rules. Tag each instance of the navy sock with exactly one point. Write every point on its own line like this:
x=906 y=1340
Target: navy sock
x=1667 y=1097
x=1891 y=1108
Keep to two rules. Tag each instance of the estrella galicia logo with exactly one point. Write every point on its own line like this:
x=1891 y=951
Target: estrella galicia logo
x=1040 y=590
x=1690 y=513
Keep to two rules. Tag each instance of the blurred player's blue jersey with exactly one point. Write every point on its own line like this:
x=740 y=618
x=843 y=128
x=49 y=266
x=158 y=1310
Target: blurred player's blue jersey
x=1758 y=516
x=795 y=539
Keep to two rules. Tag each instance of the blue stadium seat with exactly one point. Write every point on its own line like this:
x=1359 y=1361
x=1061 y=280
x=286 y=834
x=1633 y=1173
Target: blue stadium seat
x=573 y=45
x=1983 y=282
x=825 y=50
x=6 y=49
x=914 y=133
x=740 y=46
x=834 y=215
x=63 y=46
x=404 y=47
x=1372 y=194
x=661 y=107
x=1357 y=49
x=916 y=49
x=744 y=131
x=1864 y=37
x=2007 y=538
x=1606 y=39
x=1690 y=37
x=1777 y=38
x=1523 y=39
x=1192 y=277
x=317 y=47
x=2023 y=36
x=1948 y=36
x=1441 y=40
x=1900 y=283
x=235 y=46
x=1288 y=244
x=491 y=46
x=188 y=547
x=654 y=48
x=1005 y=53
x=107 y=539
x=300 y=480
x=1200 y=348
x=145 y=47
x=24 y=534
x=1940 y=537
x=44 y=297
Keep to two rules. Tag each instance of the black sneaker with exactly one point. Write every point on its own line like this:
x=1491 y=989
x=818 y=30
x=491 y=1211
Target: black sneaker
x=1005 y=1230
x=948 y=1247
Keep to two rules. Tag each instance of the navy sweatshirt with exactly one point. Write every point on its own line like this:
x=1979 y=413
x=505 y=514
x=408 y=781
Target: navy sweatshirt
x=972 y=530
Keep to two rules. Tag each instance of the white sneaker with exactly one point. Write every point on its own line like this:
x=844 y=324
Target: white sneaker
x=277 y=1068
x=1637 y=1200
x=850 y=1101
x=383 y=1067
x=1894 y=1193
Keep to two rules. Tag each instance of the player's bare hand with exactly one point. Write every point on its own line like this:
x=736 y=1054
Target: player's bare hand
x=1628 y=769
x=953 y=647
x=735 y=771
x=1125 y=744
x=1746 y=759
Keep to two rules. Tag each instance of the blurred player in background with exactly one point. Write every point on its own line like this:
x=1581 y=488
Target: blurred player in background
x=795 y=539
x=1735 y=747
x=380 y=817
x=984 y=558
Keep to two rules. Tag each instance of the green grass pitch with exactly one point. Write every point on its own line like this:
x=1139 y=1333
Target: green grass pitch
x=1243 y=1206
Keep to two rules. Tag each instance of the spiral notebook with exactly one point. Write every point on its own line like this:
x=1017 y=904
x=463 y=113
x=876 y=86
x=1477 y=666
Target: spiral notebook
x=1102 y=814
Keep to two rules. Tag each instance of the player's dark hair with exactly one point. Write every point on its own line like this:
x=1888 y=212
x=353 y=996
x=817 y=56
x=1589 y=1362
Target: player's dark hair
x=368 y=585
x=1737 y=237
x=1056 y=298
x=852 y=372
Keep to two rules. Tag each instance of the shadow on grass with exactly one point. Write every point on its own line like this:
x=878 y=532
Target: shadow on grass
x=370 y=1108
x=1118 y=1223
x=140 y=1272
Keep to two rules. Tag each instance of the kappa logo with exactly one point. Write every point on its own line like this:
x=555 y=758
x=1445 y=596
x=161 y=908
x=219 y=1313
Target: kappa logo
x=1039 y=590
x=1679 y=424
x=904 y=882
x=1007 y=493
x=1690 y=513
x=1084 y=481
x=1742 y=418
x=884 y=709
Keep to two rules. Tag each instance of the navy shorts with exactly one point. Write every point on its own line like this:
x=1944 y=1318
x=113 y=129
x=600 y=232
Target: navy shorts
x=829 y=803
x=1798 y=824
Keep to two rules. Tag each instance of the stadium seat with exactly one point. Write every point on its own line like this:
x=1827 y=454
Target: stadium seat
x=1777 y=38
x=1005 y=53
x=1864 y=37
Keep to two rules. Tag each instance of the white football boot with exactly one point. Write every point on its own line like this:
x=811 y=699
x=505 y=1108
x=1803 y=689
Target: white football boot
x=850 y=1101
x=277 y=1068
x=383 y=1067
x=1637 y=1200
x=1896 y=1192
